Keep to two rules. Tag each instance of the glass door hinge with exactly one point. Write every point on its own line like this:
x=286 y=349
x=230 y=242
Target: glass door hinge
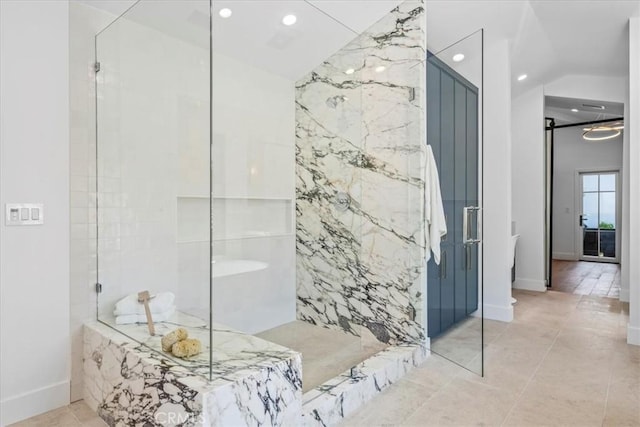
x=98 y=288
x=96 y=67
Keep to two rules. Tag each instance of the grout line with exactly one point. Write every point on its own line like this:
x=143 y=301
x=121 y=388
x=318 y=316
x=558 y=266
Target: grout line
x=444 y=386
x=515 y=403
x=606 y=399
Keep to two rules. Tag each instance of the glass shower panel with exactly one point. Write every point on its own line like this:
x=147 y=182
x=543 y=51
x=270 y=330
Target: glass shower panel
x=285 y=183
x=454 y=132
x=153 y=138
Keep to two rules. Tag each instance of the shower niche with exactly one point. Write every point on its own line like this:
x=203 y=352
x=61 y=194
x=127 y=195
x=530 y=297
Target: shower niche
x=269 y=198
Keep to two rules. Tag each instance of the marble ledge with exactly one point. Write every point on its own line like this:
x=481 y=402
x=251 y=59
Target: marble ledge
x=128 y=384
x=331 y=402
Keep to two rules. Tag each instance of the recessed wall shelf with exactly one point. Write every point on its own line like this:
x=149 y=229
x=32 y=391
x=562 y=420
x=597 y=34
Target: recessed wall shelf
x=234 y=218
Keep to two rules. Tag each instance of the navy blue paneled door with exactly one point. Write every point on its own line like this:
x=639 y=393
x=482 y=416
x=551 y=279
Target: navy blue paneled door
x=452 y=132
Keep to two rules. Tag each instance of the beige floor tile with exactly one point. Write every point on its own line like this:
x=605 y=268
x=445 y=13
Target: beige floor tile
x=519 y=335
x=623 y=403
x=82 y=411
x=464 y=402
x=624 y=397
x=95 y=422
x=62 y=417
x=544 y=404
x=509 y=369
x=595 y=320
x=394 y=405
x=435 y=373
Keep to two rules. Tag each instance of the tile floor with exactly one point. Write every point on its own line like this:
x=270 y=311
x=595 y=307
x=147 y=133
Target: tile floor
x=586 y=278
x=462 y=344
x=78 y=414
x=326 y=353
x=563 y=361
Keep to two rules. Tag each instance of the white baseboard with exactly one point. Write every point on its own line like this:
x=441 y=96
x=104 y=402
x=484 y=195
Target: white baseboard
x=501 y=313
x=35 y=402
x=530 y=285
x=633 y=335
x=624 y=295
x=564 y=256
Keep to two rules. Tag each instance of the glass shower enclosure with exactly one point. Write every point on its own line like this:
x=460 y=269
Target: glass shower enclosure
x=153 y=149
x=454 y=131
x=244 y=180
x=265 y=194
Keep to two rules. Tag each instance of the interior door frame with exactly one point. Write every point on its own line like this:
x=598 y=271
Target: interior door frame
x=579 y=249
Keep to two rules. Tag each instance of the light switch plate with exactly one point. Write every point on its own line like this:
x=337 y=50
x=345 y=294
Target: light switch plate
x=24 y=214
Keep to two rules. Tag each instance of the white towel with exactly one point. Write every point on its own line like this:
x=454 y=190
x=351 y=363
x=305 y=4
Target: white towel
x=159 y=303
x=436 y=225
x=142 y=318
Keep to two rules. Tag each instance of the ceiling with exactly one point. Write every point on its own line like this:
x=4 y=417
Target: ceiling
x=548 y=39
x=254 y=34
x=588 y=110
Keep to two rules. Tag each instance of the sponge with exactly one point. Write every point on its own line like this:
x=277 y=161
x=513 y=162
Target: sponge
x=173 y=337
x=186 y=348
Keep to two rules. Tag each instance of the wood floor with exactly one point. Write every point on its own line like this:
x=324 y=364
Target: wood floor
x=586 y=278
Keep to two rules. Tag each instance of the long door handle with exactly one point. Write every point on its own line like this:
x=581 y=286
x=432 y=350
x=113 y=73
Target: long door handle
x=467 y=211
x=443 y=265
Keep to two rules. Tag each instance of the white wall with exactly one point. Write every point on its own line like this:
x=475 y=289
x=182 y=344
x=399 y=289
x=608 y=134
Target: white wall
x=84 y=23
x=496 y=232
x=573 y=154
x=597 y=88
x=527 y=134
x=633 y=124
x=34 y=260
x=253 y=166
x=626 y=220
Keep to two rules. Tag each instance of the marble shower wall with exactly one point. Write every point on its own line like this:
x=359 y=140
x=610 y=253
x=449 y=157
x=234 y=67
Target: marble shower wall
x=362 y=134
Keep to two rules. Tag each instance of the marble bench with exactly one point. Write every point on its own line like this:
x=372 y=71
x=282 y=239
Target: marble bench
x=250 y=382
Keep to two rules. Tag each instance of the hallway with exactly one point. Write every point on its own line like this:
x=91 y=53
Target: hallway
x=586 y=278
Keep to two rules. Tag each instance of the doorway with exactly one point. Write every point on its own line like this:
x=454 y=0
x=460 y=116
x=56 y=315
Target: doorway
x=583 y=188
x=599 y=198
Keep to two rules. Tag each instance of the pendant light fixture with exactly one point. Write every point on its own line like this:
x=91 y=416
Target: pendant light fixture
x=602 y=132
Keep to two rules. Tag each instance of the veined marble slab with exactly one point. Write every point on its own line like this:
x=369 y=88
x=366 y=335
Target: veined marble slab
x=129 y=384
x=334 y=400
x=252 y=382
x=363 y=134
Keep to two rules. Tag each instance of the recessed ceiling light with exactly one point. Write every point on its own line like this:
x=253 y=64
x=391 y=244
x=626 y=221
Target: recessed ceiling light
x=522 y=77
x=289 y=20
x=380 y=68
x=595 y=107
x=575 y=110
x=225 y=12
x=350 y=71
x=458 y=57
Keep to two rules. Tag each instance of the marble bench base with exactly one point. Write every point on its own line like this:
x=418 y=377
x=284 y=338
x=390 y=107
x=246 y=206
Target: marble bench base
x=338 y=398
x=128 y=384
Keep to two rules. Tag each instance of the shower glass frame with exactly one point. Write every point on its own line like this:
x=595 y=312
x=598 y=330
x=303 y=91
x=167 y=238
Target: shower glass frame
x=149 y=78
x=153 y=99
x=463 y=342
